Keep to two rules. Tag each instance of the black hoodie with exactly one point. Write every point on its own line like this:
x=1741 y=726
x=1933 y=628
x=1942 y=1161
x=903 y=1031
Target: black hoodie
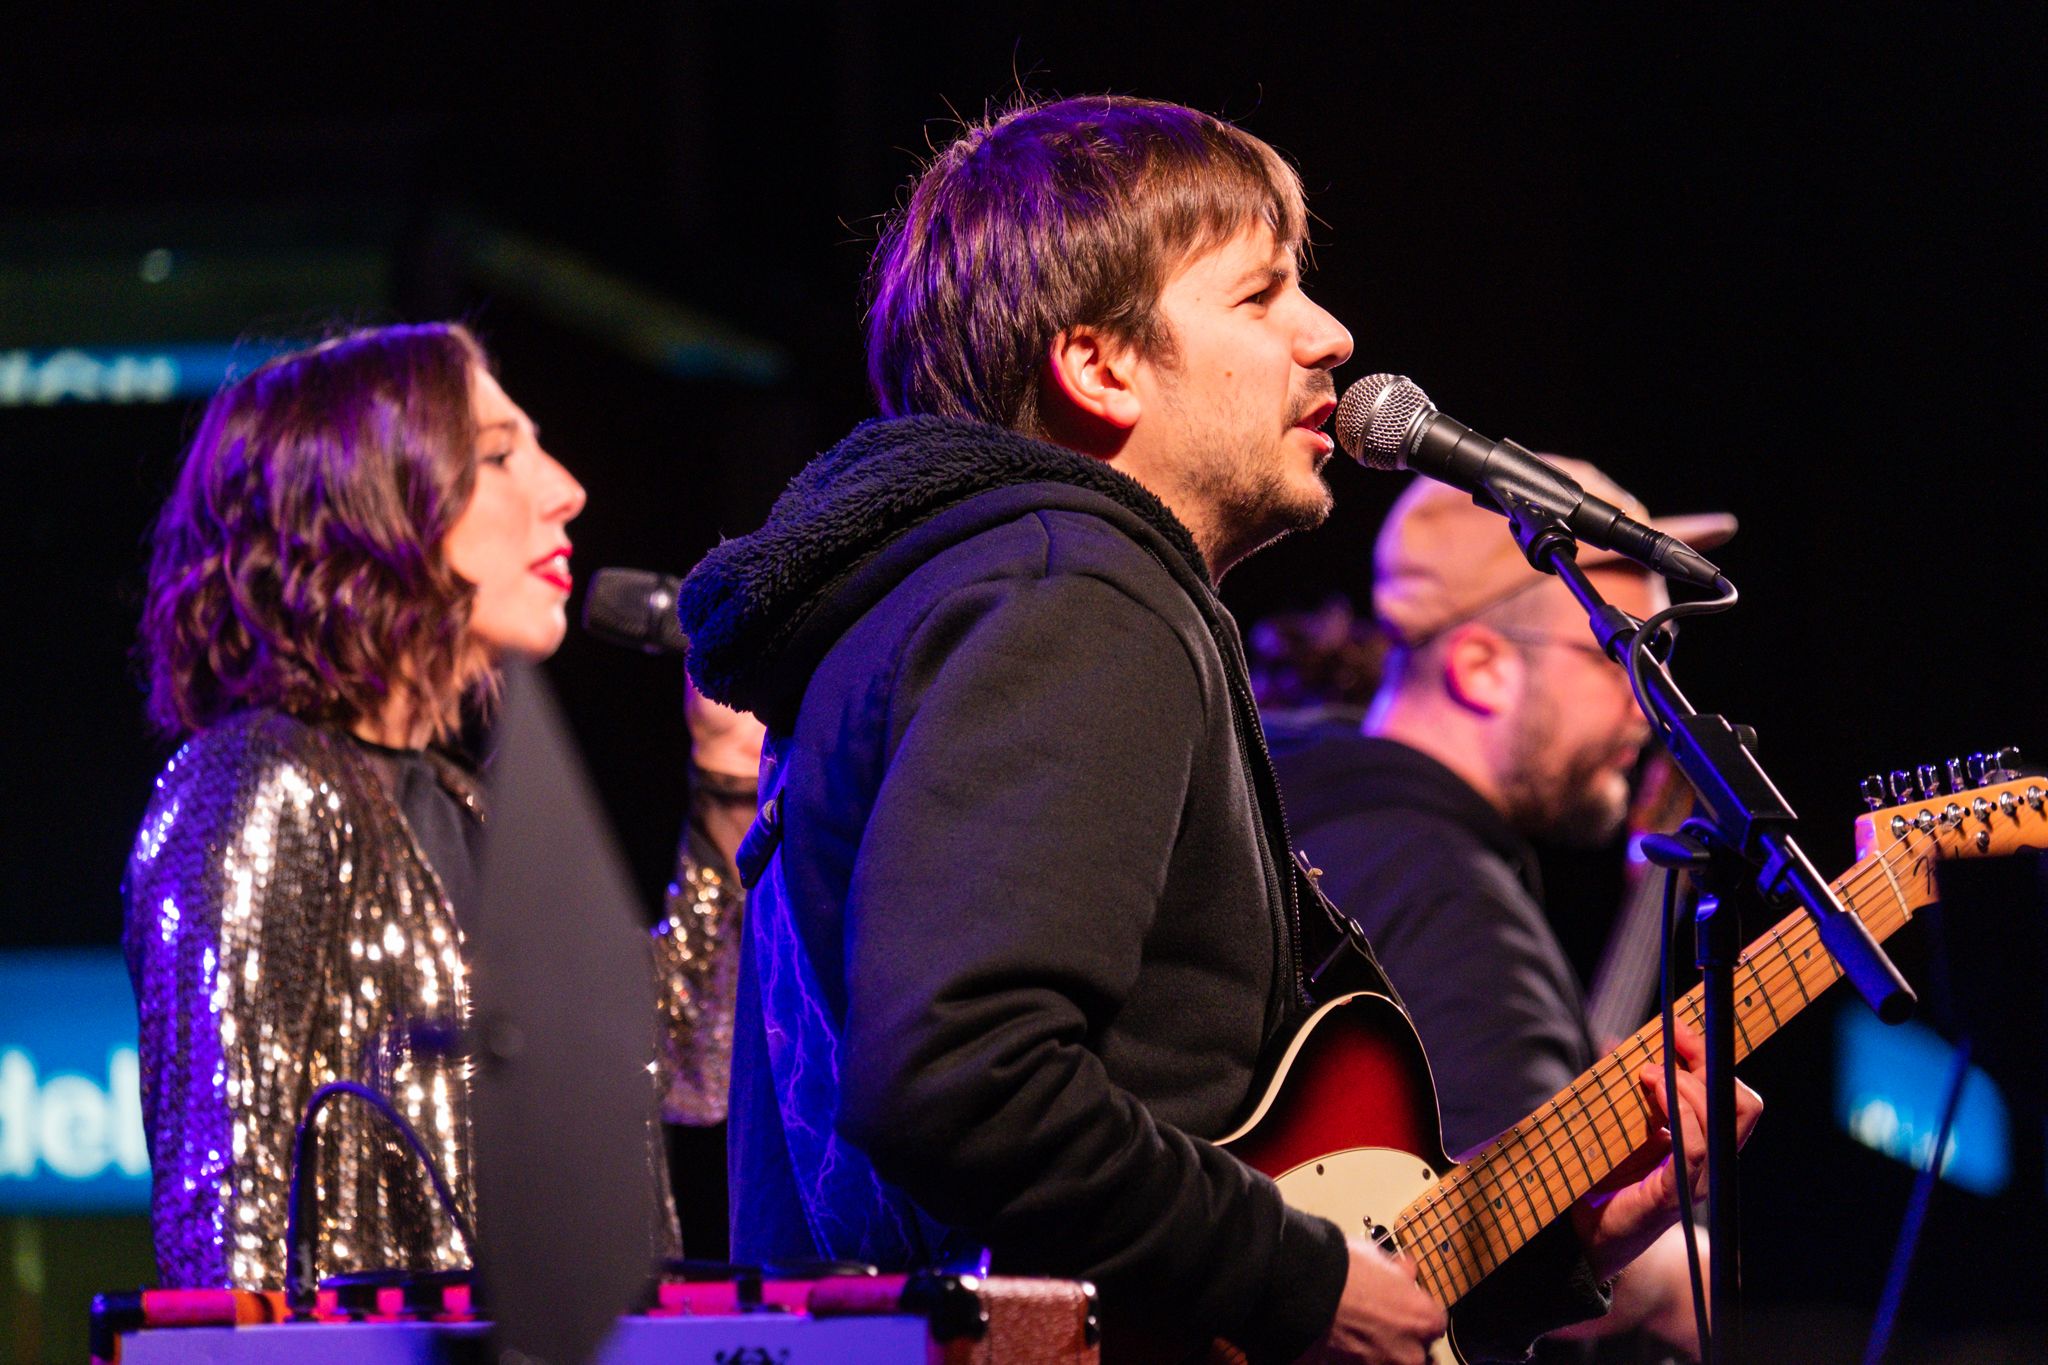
x=1023 y=924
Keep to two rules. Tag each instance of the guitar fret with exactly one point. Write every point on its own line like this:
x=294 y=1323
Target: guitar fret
x=1620 y=1123
x=1520 y=1140
x=1648 y=1115
x=1899 y=892
x=1471 y=1190
x=1477 y=1220
x=1758 y=989
x=1433 y=1230
x=1543 y=1130
x=1508 y=1152
x=1438 y=1246
x=1778 y=942
x=1573 y=1091
x=1426 y=1268
x=1503 y=1200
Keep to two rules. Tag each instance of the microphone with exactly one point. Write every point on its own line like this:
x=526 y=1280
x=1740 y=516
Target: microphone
x=635 y=608
x=1386 y=421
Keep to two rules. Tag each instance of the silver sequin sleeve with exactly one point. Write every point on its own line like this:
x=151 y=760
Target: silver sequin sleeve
x=696 y=974
x=283 y=931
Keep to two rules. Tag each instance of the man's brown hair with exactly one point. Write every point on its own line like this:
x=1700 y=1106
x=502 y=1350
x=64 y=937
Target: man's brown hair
x=1051 y=216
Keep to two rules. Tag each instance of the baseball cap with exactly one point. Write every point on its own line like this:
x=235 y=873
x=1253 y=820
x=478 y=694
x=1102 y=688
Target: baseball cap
x=1441 y=558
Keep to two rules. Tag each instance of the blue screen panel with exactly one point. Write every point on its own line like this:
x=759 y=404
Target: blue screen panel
x=133 y=374
x=1890 y=1085
x=71 y=1136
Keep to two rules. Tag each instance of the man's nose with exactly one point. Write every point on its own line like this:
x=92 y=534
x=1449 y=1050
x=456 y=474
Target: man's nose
x=1325 y=343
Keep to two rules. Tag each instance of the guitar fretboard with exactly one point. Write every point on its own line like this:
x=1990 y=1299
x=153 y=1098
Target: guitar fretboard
x=1489 y=1207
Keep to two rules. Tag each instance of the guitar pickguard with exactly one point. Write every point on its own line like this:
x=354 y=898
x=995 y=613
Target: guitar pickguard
x=1363 y=1190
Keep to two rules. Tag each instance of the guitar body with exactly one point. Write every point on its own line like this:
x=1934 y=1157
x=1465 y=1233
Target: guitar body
x=1348 y=1126
x=1352 y=1076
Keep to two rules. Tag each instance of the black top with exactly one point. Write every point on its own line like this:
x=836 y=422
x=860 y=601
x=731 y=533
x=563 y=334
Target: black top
x=441 y=809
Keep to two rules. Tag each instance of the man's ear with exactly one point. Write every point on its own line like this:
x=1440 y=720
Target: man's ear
x=1482 y=672
x=1092 y=373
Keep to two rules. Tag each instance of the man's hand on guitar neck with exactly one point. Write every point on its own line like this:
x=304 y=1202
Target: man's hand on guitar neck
x=1630 y=1209
x=1383 y=1318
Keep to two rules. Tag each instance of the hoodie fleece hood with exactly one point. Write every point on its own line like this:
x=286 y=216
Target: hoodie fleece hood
x=744 y=604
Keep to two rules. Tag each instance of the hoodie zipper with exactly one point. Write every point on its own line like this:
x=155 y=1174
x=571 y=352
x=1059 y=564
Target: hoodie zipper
x=1243 y=714
x=1251 y=738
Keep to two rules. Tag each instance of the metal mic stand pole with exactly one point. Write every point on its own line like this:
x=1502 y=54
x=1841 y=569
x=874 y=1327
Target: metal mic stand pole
x=1748 y=822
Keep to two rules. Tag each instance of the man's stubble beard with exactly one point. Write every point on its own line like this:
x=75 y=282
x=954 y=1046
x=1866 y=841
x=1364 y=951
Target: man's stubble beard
x=1573 y=802
x=1246 y=484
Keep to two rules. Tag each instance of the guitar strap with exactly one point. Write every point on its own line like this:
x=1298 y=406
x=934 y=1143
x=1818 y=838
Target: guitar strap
x=1339 y=958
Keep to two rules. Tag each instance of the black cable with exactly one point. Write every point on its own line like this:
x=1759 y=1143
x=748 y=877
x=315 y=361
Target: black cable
x=1669 y=1012
x=1636 y=652
x=1639 y=644
x=301 y=1287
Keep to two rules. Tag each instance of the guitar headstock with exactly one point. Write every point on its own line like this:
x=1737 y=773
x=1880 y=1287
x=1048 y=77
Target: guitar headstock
x=2003 y=812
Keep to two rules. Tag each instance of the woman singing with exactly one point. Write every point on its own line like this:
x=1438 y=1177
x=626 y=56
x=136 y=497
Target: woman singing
x=360 y=533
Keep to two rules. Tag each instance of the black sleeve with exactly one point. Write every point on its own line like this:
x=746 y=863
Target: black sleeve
x=1544 y=1286
x=1046 y=735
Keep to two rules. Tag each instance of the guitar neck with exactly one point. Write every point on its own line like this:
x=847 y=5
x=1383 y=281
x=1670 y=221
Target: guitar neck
x=1486 y=1209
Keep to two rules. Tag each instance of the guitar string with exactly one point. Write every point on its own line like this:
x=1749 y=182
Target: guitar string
x=1516 y=1144
x=1431 y=1211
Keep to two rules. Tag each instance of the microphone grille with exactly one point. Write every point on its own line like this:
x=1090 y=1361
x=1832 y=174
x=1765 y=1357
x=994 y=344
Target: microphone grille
x=1377 y=419
x=634 y=608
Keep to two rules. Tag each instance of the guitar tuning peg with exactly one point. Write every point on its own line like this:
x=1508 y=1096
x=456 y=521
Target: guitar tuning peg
x=1930 y=781
x=1874 y=794
x=1957 y=782
x=1981 y=768
x=1903 y=789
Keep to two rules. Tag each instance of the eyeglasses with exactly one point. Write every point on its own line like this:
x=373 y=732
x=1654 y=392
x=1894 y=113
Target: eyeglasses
x=1660 y=643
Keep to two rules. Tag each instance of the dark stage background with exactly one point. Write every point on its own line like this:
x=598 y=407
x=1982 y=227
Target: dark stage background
x=1780 y=263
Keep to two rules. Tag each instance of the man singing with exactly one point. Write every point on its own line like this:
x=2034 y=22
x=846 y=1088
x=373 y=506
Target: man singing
x=1025 y=920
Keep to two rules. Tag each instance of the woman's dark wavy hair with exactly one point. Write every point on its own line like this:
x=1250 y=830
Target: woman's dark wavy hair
x=1056 y=215
x=297 y=563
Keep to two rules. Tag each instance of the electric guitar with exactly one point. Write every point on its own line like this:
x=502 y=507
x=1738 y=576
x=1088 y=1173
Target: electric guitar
x=1376 y=1168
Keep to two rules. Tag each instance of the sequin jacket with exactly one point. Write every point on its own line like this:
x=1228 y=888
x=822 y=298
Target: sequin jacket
x=281 y=924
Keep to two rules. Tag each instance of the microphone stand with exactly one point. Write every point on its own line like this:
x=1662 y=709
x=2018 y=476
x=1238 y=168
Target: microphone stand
x=1747 y=829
